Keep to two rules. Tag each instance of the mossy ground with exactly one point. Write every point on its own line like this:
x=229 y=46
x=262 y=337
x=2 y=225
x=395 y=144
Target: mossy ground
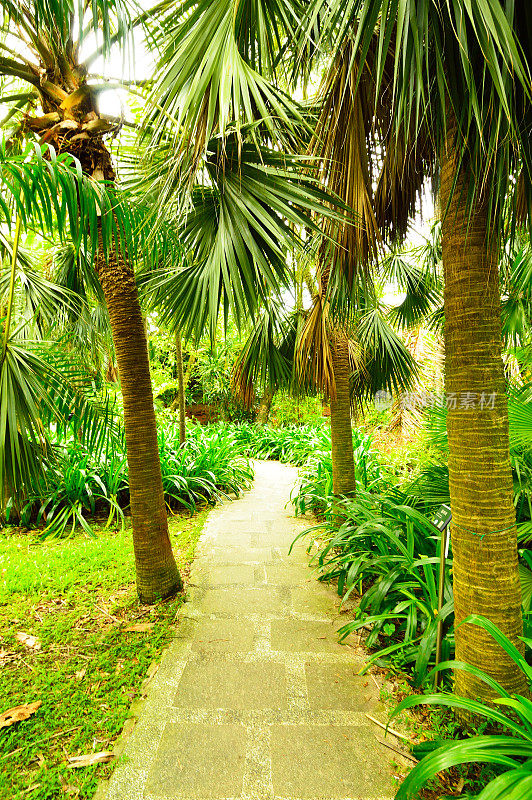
x=76 y=597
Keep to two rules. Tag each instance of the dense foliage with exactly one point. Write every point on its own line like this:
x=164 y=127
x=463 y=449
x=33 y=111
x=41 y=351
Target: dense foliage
x=78 y=484
x=511 y=749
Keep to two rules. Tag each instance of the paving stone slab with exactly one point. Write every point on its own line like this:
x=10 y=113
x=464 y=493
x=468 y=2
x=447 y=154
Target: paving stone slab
x=237 y=555
x=327 y=761
x=199 y=762
x=288 y=573
x=313 y=600
x=294 y=635
x=245 y=602
x=338 y=686
x=222 y=684
x=232 y=575
x=222 y=636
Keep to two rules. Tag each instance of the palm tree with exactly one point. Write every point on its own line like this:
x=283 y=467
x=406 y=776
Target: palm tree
x=213 y=81
x=457 y=77
x=56 y=85
x=375 y=359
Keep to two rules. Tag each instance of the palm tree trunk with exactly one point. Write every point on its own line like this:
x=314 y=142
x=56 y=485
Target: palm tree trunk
x=181 y=385
x=485 y=575
x=156 y=570
x=343 y=464
x=263 y=411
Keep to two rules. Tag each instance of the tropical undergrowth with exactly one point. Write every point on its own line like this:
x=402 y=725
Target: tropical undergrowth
x=505 y=743
x=290 y=444
x=79 y=485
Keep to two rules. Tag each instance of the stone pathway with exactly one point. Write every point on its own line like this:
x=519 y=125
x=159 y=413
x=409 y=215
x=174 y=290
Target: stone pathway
x=255 y=699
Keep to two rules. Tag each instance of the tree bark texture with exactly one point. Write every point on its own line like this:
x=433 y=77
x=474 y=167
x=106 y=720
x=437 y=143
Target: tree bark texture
x=157 y=573
x=181 y=386
x=484 y=540
x=263 y=411
x=343 y=464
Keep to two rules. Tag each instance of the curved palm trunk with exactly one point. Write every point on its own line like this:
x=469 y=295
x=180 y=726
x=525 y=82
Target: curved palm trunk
x=181 y=385
x=343 y=464
x=156 y=570
x=484 y=538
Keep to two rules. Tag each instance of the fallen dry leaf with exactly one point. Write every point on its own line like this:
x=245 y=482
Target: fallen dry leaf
x=81 y=674
x=69 y=788
x=140 y=627
x=31 y=642
x=18 y=713
x=90 y=759
x=6 y=656
x=39 y=758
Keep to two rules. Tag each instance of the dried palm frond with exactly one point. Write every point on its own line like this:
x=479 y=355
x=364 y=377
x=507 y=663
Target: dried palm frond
x=343 y=144
x=313 y=363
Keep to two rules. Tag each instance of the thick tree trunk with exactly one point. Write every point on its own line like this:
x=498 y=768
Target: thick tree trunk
x=263 y=411
x=181 y=385
x=341 y=432
x=485 y=575
x=157 y=573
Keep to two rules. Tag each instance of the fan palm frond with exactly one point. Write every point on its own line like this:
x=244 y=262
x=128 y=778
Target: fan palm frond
x=43 y=389
x=266 y=359
x=242 y=222
x=211 y=73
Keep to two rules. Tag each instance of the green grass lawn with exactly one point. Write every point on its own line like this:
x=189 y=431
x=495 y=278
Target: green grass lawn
x=75 y=597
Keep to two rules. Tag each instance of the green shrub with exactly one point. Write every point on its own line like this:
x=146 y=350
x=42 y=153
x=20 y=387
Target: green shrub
x=78 y=485
x=388 y=553
x=511 y=749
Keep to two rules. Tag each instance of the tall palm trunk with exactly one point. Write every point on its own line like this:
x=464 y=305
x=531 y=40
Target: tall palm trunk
x=181 y=385
x=263 y=411
x=71 y=123
x=485 y=575
x=343 y=465
x=156 y=570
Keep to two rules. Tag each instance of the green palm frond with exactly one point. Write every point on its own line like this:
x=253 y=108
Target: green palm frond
x=243 y=221
x=41 y=302
x=520 y=416
x=57 y=25
x=388 y=364
x=470 y=62
x=211 y=73
x=72 y=268
x=43 y=389
x=21 y=431
x=266 y=359
x=51 y=194
x=422 y=291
